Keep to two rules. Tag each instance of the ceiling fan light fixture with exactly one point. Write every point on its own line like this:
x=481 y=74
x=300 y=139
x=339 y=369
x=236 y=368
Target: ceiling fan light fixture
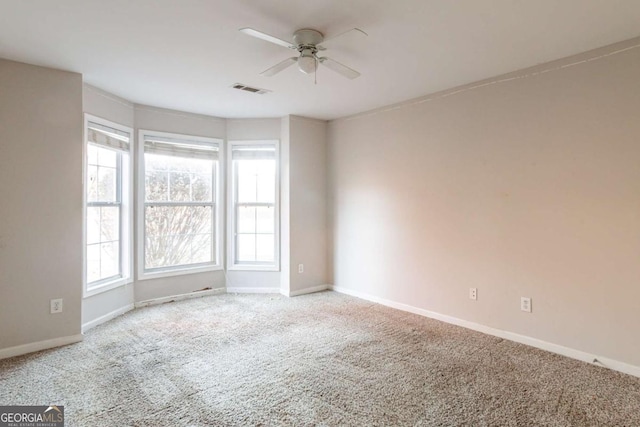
x=307 y=62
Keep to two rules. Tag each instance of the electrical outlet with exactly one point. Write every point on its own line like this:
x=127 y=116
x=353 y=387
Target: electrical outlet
x=300 y=268
x=473 y=293
x=525 y=304
x=56 y=306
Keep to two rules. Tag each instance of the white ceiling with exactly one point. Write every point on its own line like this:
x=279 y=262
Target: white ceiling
x=184 y=54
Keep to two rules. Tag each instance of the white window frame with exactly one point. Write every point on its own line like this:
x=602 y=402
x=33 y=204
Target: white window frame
x=126 y=211
x=219 y=209
x=231 y=209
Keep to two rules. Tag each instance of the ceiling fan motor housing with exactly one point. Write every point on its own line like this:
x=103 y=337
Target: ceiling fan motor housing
x=307 y=39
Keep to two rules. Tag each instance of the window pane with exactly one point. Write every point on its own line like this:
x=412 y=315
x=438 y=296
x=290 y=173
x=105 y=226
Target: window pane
x=178 y=179
x=201 y=248
x=156 y=186
x=157 y=251
x=198 y=218
x=179 y=164
x=106 y=184
x=92 y=154
x=174 y=235
x=266 y=189
x=265 y=167
x=109 y=259
x=93 y=263
x=181 y=249
x=201 y=188
x=246 y=248
x=157 y=221
x=92 y=183
x=186 y=164
x=247 y=167
x=179 y=187
x=265 y=248
x=201 y=166
x=156 y=162
x=110 y=224
x=265 y=222
x=93 y=225
x=246 y=181
x=246 y=219
x=107 y=157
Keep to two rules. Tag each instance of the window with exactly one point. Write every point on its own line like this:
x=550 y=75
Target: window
x=107 y=205
x=179 y=210
x=254 y=206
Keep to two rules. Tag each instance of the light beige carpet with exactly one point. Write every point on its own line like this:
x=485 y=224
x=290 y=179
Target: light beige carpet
x=321 y=359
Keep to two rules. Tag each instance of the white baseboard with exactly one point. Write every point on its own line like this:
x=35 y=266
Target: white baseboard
x=38 y=346
x=102 y=319
x=242 y=290
x=180 y=297
x=305 y=291
x=522 y=339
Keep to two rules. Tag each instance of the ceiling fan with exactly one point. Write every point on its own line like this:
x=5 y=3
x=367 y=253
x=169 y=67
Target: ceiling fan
x=307 y=43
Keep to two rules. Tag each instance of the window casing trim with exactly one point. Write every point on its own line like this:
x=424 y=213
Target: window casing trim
x=217 y=264
x=232 y=265
x=125 y=188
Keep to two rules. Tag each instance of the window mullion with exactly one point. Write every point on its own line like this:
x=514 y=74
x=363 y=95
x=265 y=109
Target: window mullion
x=102 y=204
x=255 y=228
x=178 y=204
x=255 y=204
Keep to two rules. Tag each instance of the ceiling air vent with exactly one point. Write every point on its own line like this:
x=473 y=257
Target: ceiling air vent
x=246 y=88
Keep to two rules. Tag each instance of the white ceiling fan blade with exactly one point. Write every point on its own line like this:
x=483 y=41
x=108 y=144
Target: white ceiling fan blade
x=339 y=68
x=353 y=30
x=263 y=36
x=279 y=67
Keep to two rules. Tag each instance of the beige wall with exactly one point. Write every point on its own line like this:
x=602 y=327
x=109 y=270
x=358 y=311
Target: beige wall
x=41 y=207
x=308 y=190
x=105 y=105
x=526 y=185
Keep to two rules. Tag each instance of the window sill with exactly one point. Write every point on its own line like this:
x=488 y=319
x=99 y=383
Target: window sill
x=104 y=287
x=159 y=274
